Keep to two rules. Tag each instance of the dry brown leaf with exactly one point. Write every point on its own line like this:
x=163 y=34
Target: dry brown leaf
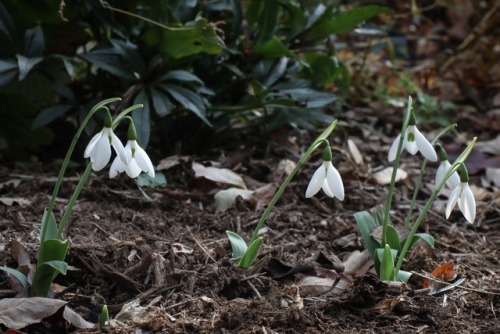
x=493 y=176
x=18 y=313
x=355 y=153
x=383 y=177
x=386 y=306
x=9 y=201
x=222 y=175
x=170 y=162
x=225 y=199
x=315 y=286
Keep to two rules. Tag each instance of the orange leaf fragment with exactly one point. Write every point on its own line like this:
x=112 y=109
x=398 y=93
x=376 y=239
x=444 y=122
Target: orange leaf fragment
x=444 y=272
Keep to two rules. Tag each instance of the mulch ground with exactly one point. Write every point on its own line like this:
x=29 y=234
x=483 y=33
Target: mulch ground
x=159 y=258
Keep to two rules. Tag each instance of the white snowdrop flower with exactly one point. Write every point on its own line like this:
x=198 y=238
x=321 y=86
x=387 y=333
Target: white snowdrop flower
x=326 y=177
x=454 y=180
x=138 y=161
x=462 y=194
x=99 y=151
x=413 y=142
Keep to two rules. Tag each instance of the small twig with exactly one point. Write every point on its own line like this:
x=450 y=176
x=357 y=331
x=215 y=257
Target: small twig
x=202 y=248
x=432 y=278
x=255 y=291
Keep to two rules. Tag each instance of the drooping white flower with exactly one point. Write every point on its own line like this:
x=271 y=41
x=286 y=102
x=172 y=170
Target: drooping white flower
x=99 y=151
x=462 y=194
x=453 y=181
x=138 y=161
x=326 y=177
x=413 y=142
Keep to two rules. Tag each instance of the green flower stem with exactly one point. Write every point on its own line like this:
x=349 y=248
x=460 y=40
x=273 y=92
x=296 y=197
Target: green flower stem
x=388 y=202
x=421 y=176
x=71 y=203
x=456 y=164
x=67 y=158
x=320 y=140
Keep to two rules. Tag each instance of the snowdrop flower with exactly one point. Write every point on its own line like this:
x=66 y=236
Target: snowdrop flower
x=138 y=159
x=326 y=177
x=454 y=180
x=98 y=149
x=413 y=142
x=462 y=194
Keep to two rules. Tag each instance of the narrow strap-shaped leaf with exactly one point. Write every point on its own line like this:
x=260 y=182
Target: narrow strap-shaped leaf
x=251 y=254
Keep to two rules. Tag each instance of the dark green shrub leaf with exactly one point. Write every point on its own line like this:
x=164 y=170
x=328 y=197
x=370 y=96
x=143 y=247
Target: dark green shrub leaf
x=47 y=115
x=181 y=75
x=142 y=118
x=109 y=61
x=34 y=43
x=25 y=65
x=161 y=102
x=188 y=99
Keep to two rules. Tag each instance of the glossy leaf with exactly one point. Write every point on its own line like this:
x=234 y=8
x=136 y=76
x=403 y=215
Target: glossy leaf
x=26 y=64
x=7 y=65
x=18 y=275
x=387 y=264
x=366 y=225
x=238 y=245
x=251 y=254
x=276 y=72
x=109 y=61
x=188 y=99
x=142 y=118
x=161 y=102
x=49 y=114
x=181 y=75
x=34 y=42
x=392 y=238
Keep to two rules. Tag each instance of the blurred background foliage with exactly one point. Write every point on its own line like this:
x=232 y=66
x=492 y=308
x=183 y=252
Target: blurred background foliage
x=206 y=71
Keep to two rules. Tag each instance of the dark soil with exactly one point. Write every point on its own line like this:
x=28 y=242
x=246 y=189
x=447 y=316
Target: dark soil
x=165 y=248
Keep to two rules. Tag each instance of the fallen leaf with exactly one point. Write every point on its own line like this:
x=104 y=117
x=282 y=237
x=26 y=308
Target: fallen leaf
x=493 y=176
x=18 y=313
x=383 y=177
x=222 y=175
x=489 y=146
x=170 y=162
x=225 y=199
x=355 y=154
x=443 y=272
x=263 y=195
x=386 y=306
x=9 y=201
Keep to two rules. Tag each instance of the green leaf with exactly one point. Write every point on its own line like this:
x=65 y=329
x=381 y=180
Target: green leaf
x=6 y=24
x=181 y=75
x=34 y=42
x=310 y=97
x=18 y=275
x=144 y=180
x=193 y=38
x=189 y=99
x=162 y=104
x=44 y=276
x=344 y=22
x=8 y=76
x=47 y=115
x=251 y=254
x=268 y=19
x=238 y=245
x=424 y=236
x=109 y=60
x=392 y=237
x=276 y=72
x=387 y=264
x=366 y=225
x=26 y=65
x=7 y=65
x=53 y=249
x=273 y=48
x=403 y=276
x=49 y=225
x=142 y=118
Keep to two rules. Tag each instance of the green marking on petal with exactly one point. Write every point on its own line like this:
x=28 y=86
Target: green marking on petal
x=410 y=137
x=110 y=138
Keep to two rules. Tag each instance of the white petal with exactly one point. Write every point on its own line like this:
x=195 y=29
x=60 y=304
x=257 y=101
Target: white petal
x=335 y=181
x=468 y=204
x=453 y=181
x=411 y=146
x=143 y=161
x=424 y=146
x=441 y=172
x=101 y=154
x=316 y=181
x=394 y=149
x=132 y=169
x=327 y=190
x=452 y=201
x=116 y=167
x=91 y=145
x=118 y=146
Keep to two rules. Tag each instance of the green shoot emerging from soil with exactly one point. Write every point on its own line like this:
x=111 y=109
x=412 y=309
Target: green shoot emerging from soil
x=131 y=158
x=388 y=254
